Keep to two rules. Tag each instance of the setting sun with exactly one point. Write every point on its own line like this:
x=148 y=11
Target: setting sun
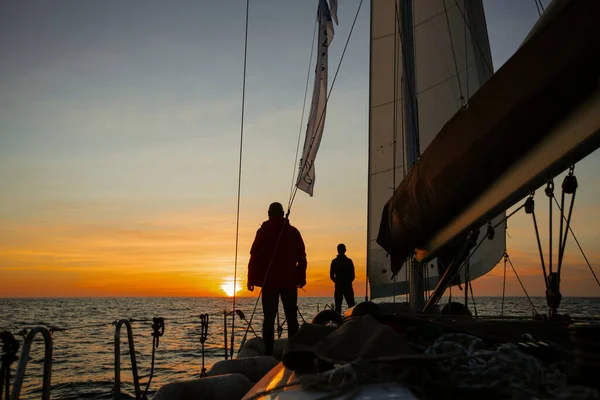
x=227 y=287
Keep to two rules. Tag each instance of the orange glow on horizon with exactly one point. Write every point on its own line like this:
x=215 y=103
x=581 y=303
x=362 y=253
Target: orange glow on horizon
x=191 y=254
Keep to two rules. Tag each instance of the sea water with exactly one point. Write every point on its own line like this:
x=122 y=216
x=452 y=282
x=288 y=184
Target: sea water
x=83 y=358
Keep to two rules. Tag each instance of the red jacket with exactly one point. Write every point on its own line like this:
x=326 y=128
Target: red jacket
x=288 y=268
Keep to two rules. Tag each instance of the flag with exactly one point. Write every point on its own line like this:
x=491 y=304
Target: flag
x=333 y=5
x=316 y=118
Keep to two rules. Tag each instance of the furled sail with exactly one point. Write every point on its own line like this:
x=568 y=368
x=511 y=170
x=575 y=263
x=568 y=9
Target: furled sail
x=452 y=60
x=535 y=116
x=318 y=108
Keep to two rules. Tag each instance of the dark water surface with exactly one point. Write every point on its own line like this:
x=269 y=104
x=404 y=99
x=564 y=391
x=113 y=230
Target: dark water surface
x=83 y=359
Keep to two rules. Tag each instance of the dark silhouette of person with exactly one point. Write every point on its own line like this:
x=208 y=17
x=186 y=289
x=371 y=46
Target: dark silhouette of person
x=342 y=275
x=278 y=265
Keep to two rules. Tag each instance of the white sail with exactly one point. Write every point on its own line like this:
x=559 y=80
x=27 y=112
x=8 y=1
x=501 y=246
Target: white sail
x=452 y=60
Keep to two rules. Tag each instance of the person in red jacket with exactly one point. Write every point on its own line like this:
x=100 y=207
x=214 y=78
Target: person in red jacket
x=278 y=265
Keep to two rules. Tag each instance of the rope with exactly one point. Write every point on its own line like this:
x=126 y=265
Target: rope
x=550 y=194
x=539 y=6
x=499 y=372
x=537 y=235
x=413 y=97
x=54 y=329
x=483 y=55
x=467 y=278
x=395 y=133
x=303 y=110
x=473 y=300
x=57 y=329
x=521 y=283
x=239 y=188
x=366 y=280
x=158 y=329
x=426 y=281
x=203 y=337
x=300 y=314
x=462 y=97
x=264 y=280
x=406 y=277
x=509 y=215
x=331 y=88
x=466 y=63
x=569 y=186
x=581 y=249
x=504 y=286
x=132 y=320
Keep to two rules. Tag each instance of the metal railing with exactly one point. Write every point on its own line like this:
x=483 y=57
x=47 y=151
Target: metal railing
x=136 y=379
x=47 y=335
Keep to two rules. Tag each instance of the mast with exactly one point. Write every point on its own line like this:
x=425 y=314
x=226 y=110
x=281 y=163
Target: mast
x=411 y=129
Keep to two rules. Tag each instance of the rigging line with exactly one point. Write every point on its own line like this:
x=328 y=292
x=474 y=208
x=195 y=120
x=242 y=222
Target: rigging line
x=406 y=279
x=472 y=252
x=239 y=188
x=303 y=110
x=332 y=84
x=550 y=225
x=467 y=268
x=483 y=55
x=521 y=283
x=395 y=113
x=466 y=62
x=542 y=5
x=537 y=6
x=413 y=96
x=580 y=249
x=472 y=296
x=462 y=97
x=540 y=250
x=404 y=160
x=473 y=300
x=504 y=286
x=286 y=221
x=428 y=288
x=509 y=215
x=395 y=133
x=57 y=329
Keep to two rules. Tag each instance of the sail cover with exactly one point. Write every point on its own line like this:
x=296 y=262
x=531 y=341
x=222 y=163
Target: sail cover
x=452 y=60
x=318 y=108
x=536 y=116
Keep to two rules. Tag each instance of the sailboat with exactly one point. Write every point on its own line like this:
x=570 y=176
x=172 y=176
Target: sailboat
x=452 y=146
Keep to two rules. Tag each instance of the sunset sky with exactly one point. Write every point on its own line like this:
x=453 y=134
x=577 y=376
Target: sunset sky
x=119 y=140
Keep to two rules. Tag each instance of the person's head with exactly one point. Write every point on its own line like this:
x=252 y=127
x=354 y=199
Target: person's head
x=341 y=248
x=275 y=210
